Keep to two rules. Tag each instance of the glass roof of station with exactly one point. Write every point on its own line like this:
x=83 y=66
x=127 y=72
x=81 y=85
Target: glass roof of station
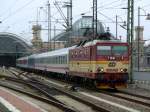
x=80 y=27
x=12 y=44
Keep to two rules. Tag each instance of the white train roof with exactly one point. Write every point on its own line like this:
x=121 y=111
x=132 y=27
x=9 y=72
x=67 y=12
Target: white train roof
x=63 y=51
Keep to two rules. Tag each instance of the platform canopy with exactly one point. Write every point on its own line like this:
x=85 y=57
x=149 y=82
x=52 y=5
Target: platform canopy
x=12 y=44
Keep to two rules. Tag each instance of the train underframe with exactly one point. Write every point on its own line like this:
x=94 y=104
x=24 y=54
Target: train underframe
x=102 y=81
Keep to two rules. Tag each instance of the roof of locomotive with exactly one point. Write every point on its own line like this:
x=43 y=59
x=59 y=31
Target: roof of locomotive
x=58 y=52
x=94 y=42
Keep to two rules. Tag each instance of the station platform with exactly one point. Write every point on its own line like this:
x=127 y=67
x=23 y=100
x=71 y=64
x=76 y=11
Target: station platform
x=13 y=103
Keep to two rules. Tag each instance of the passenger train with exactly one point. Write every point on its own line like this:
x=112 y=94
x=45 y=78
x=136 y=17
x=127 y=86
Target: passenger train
x=105 y=63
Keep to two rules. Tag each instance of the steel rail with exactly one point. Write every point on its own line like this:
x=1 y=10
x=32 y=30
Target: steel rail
x=135 y=95
x=94 y=106
x=126 y=98
x=88 y=103
x=49 y=101
x=114 y=95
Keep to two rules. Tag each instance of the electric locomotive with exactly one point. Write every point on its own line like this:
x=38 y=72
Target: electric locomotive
x=105 y=62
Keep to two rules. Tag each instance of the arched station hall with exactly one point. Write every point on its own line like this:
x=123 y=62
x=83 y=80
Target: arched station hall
x=11 y=47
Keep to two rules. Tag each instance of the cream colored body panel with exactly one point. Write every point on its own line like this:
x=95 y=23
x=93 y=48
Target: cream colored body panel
x=92 y=66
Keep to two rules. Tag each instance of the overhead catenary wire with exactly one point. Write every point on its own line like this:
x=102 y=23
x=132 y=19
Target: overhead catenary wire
x=106 y=4
x=113 y=21
x=18 y=10
x=9 y=8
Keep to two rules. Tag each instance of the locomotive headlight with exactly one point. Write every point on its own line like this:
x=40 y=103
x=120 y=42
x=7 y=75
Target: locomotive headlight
x=125 y=70
x=100 y=69
x=121 y=70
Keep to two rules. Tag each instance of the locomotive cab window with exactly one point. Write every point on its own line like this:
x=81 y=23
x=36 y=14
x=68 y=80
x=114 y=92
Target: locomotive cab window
x=119 y=50
x=103 y=50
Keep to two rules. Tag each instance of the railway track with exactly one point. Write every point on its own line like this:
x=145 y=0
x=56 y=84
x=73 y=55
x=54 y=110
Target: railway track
x=129 y=97
x=45 y=100
x=46 y=90
x=136 y=95
x=138 y=99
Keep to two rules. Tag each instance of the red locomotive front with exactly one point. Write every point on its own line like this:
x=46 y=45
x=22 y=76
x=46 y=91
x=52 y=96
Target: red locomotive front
x=103 y=62
x=112 y=64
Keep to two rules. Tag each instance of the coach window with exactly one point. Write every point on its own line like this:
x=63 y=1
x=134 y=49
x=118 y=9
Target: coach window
x=44 y=60
x=36 y=61
x=64 y=60
x=40 y=60
x=59 y=60
x=48 y=60
x=55 y=60
x=52 y=60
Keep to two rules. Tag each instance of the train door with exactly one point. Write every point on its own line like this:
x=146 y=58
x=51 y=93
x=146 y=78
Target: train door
x=92 y=59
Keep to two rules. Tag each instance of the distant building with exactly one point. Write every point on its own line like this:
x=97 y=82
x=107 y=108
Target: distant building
x=36 y=41
x=53 y=45
x=144 y=51
x=147 y=55
x=81 y=30
x=139 y=31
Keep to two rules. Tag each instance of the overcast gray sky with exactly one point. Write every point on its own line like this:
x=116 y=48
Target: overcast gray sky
x=16 y=15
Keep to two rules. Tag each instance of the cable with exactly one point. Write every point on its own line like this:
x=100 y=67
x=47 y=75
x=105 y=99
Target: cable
x=107 y=4
x=10 y=7
x=111 y=20
x=18 y=10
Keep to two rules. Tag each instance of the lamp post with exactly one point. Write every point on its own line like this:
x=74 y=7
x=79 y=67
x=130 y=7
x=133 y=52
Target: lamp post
x=138 y=38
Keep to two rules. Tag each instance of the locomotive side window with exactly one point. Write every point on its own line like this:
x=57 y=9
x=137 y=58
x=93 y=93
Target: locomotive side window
x=103 y=50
